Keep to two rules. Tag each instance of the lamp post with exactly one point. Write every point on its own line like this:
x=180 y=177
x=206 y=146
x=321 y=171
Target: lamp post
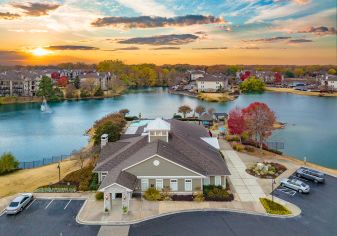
x=59 y=167
x=272 y=189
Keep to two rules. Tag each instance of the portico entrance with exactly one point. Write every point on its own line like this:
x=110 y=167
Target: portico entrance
x=110 y=200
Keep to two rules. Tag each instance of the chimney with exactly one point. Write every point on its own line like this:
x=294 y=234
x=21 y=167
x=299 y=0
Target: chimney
x=104 y=140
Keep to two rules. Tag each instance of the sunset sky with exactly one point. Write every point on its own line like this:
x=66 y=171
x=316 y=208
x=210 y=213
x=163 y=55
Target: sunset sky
x=168 y=31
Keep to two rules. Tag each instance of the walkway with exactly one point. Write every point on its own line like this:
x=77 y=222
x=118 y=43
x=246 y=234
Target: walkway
x=140 y=210
x=246 y=186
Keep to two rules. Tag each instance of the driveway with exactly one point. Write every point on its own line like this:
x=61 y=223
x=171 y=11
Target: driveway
x=47 y=217
x=318 y=217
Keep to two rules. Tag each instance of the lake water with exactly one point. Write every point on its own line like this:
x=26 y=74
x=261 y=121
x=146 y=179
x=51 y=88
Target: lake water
x=29 y=134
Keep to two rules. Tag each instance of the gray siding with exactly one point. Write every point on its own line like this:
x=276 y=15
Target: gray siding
x=165 y=168
x=196 y=184
x=154 y=138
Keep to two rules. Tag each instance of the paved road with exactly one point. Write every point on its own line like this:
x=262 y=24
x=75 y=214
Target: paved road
x=319 y=209
x=47 y=217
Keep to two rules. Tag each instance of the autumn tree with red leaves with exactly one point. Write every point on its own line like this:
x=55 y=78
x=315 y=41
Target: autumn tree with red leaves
x=259 y=120
x=236 y=122
x=63 y=81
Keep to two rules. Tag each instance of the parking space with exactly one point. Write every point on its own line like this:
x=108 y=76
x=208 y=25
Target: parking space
x=47 y=217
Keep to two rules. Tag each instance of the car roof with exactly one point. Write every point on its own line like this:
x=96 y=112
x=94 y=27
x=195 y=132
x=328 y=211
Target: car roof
x=312 y=170
x=21 y=196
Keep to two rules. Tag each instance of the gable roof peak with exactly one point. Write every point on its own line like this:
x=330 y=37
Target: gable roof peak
x=158 y=124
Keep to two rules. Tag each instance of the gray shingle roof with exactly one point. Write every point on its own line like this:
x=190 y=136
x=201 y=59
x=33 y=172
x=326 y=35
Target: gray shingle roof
x=185 y=147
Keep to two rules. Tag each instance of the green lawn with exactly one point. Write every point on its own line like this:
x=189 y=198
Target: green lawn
x=274 y=207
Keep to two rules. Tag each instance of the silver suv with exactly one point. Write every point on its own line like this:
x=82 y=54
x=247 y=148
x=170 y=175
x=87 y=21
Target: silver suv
x=310 y=174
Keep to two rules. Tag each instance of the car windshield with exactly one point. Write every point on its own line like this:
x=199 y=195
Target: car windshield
x=14 y=204
x=303 y=185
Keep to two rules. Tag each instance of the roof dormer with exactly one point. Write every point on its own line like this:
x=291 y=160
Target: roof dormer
x=158 y=129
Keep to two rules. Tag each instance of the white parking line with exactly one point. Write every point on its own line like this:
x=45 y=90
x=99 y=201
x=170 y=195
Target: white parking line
x=67 y=204
x=49 y=204
x=30 y=204
x=287 y=191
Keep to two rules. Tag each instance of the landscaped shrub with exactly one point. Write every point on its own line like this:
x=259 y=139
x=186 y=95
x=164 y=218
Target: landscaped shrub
x=8 y=163
x=165 y=194
x=232 y=138
x=198 y=197
x=152 y=194
x=249 y=149
x=57 y=188
x=82 y=177
x=182 y=197
x=175 y=116
x=217 y=193
x=99 y=196
x=238 y=147
x=274 y=207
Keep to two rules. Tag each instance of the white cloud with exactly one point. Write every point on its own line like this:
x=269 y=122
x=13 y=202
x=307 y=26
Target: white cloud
x=278 y=11
x=147 y=7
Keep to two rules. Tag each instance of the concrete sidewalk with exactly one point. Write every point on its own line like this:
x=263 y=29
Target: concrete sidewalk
x=246 y=186
x=92 y=211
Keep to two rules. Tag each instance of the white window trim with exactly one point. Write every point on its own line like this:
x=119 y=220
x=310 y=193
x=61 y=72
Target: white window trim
x=144 y=181
x=174 y=190
x=162 y=184
x=188 y=190
x=215 y=180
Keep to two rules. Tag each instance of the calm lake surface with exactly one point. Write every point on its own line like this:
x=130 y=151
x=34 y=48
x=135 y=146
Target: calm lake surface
x=29 y=134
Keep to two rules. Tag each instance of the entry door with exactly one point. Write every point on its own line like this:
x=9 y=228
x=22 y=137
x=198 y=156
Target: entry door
x=159 y=184
x=174 y=184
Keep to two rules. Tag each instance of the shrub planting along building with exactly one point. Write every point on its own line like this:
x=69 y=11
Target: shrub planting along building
x=164 y=154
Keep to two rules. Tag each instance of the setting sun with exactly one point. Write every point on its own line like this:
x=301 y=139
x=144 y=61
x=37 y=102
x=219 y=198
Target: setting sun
x=40 y=52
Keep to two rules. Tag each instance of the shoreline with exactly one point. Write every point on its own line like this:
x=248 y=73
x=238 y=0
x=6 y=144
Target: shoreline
x=24 y=100
x=208 y=97
x=298 y=92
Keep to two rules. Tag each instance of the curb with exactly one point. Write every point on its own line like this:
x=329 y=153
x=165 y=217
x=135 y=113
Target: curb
x=125 y=223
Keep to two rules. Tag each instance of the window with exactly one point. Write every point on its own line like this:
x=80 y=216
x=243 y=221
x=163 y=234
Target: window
x=159 y=184
x=174 y=184
x=144 y=184
x=188 y=184
x=217 y=180
x=103 y=176
x=206 y=181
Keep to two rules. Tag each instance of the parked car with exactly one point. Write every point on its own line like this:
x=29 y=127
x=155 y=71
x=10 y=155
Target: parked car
x=296 y=185
x=310 y=174
x=19 y=203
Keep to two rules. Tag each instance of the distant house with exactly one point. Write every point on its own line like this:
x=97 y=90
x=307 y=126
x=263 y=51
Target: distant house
x=195 y=74
x=167 y=154
x=212 y=83
x=330 y=81
x=101 y=79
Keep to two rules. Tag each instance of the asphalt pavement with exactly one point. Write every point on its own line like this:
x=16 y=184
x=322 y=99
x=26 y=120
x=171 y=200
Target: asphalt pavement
x=47 y=217
x=318 y=218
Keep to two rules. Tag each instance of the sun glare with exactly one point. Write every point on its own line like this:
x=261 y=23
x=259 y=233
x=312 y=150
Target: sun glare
x=40 y=52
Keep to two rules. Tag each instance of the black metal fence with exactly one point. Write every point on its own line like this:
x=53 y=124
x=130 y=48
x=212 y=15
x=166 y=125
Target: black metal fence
x=44 y=161
x=275 y=145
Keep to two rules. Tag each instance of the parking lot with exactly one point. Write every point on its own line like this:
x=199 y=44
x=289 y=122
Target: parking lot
x=47 y=217
x=318 y=217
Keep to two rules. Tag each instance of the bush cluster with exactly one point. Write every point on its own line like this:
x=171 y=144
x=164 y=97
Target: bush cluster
x=8 y=163
x=82 y=176
x=238 y=147
x=232 y=138
x=99 y=196
x=274 y=207
x=217 y=193
x=152 y=194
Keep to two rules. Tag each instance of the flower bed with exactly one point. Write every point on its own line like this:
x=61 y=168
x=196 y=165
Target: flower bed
x=274 y=207
x=266 y=170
